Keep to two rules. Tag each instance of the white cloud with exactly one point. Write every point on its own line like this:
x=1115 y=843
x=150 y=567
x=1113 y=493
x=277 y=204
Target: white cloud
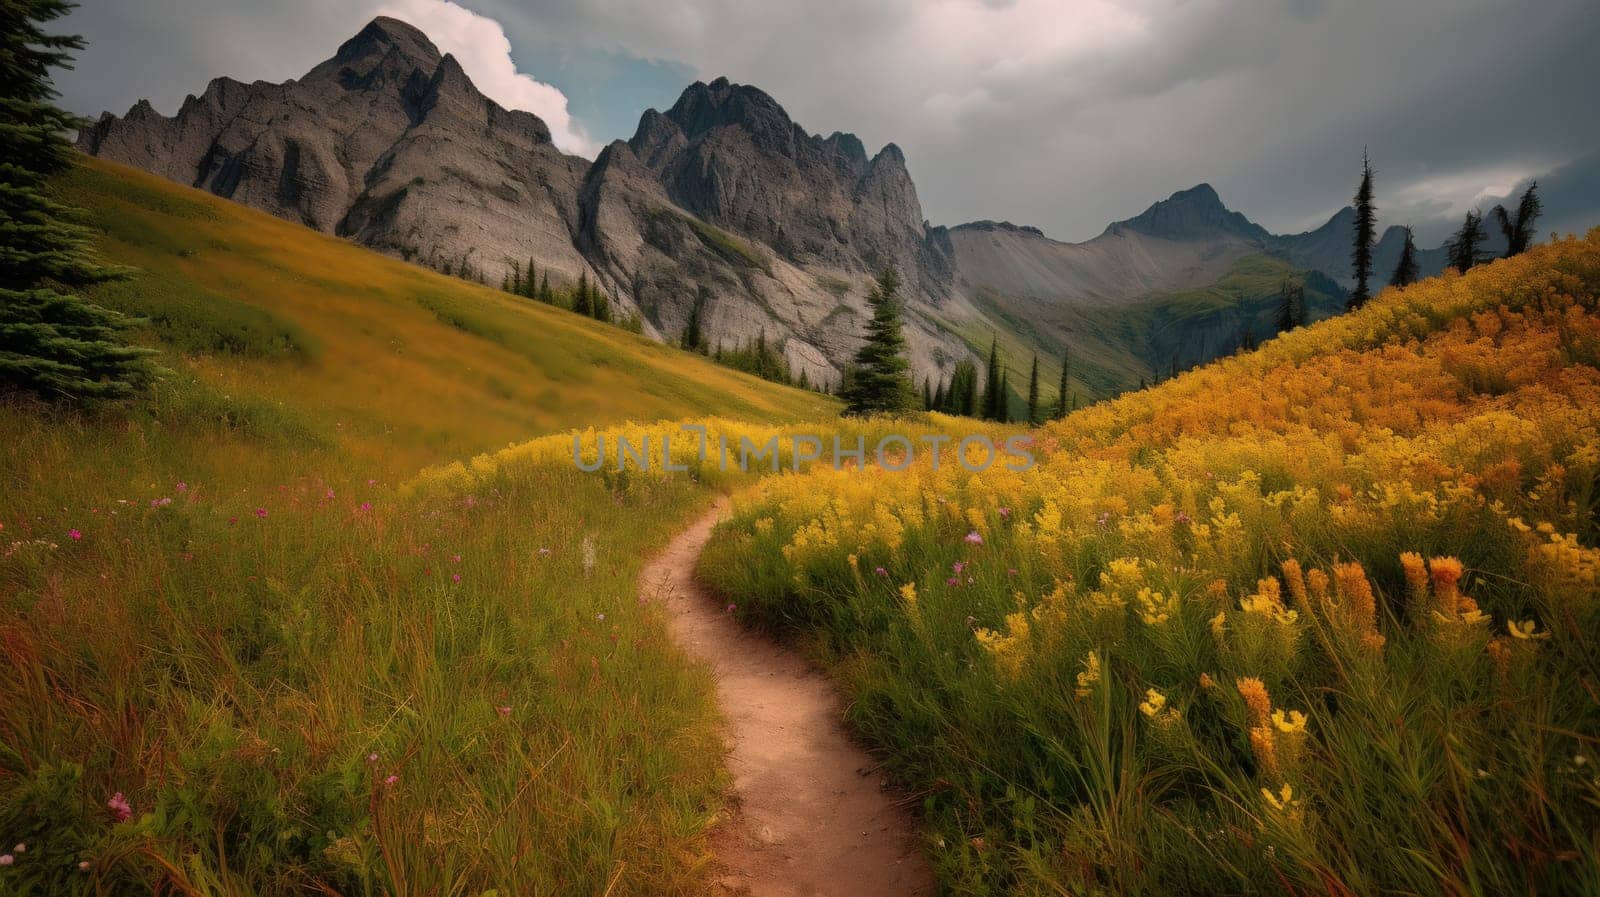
x=481 y=46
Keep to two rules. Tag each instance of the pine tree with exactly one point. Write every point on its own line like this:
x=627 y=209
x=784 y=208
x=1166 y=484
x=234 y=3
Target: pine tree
x=693 y=339
x=545 y=294
x=1466 y=248
x=1002 y=412
x=991 y=384
x=52 y=343
x=941 y=395
x=530 y=287
x=1033 y=394
x=1519 y=230
x=805 y=379
x=1291 y=308
x=1247 y=339
x=927 y=395
x=1406 y=270
x=882 y=384
x=1366 y=223
x=580 y=298
x=1061 y=390
x=967 y=396
x=514 y=279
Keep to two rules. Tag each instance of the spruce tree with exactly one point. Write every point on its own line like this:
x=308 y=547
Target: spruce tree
x=1406 y=269
x=530 y=287
x=1466 y=248
x=1366 y=223
x=1519 y=230
x=52 y=343
x=580 y=298
x=881 y=383
x=1061 y=389
x=1002 y=413
x=991 y=384
x=927 y=395
x=1033 y=394
x=693 y=339
x=941 y=395
x=1291 y=308
x=545 y=294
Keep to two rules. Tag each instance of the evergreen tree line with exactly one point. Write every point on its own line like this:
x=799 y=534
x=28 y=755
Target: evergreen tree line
x=584 y=298
x=54 y=343
x=1464 y=250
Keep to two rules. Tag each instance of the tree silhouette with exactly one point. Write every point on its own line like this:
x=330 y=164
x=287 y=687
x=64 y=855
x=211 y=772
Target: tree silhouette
x=1366 y=223
x=1033 y=394
x=1466 y=248
x=1291 y=307
x=1519 y=230
x=1406 y=270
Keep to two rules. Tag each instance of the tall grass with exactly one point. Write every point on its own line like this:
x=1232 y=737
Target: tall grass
x=1321 y=619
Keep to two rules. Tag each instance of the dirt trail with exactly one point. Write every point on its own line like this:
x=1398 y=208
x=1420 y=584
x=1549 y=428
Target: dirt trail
x=810 y=816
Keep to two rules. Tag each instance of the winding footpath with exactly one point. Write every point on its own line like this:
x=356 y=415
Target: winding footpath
x=810 y=816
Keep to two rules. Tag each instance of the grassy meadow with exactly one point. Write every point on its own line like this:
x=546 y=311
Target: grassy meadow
x=247 y=647
x=1319 y=619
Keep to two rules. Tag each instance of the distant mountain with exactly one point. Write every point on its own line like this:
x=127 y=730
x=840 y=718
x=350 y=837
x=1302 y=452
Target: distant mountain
x=388 y=143
x=724 y=200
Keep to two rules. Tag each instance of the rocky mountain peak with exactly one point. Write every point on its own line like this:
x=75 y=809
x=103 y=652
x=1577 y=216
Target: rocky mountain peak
x=1193 y=214
x=383 y=36
x=704 y=107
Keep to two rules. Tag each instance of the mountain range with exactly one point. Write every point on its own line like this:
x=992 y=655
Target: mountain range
x=724 y=201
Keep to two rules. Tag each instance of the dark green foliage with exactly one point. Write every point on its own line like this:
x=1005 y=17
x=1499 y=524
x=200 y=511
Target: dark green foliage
x=581 y=302
x=759 y=358
x=1247 y=343
x=52 y=343
x=1291 y=308
x=1519 y=230
x=1406 y=270
x=882 y=383
x=1061 y=390
x=545 y=294
x=1034 y=417
x=694 y=339
x=961 y=396
x=927 y=394
x=1366 y=223
x=1465 y=249
x=1002 y=413
x=993 y=397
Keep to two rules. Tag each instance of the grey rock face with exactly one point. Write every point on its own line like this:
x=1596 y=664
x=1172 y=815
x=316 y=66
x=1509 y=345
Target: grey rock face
x=388 y=142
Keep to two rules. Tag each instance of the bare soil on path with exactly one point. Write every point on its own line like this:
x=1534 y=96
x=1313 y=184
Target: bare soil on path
x=810 y=814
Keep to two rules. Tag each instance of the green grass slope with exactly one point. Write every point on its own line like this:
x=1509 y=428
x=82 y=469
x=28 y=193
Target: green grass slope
x=221 y=610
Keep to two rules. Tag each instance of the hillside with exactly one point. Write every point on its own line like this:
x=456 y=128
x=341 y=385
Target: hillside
x=380 y=355
x=1318 y=618
x=243 y=655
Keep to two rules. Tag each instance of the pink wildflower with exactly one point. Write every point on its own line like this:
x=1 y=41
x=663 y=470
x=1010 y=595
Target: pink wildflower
x=261 y=513
x=957 y=567
x=952 y=581
x=372 y=757
x=182 y=487
x=391 y=780
x=7 y=859
x=1005 y=513
x=120 y=809
x=881 y=572
x=366 y=506
x=504 y=710
x=732 y=608
x=455 y=577
x=973 y=538
x=74 y=535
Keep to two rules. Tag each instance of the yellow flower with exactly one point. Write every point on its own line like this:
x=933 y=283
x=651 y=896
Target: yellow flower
x=1153 y=702
x=1090 y=674
x=1289 y=721
x=1254 y=692
x=1283 y=800
x=908 y=593
x=1525 y=630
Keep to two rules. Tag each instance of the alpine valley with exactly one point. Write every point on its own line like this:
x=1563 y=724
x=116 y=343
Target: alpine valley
x=723 y=201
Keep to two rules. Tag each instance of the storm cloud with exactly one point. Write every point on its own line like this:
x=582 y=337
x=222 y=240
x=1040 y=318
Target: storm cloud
x=1061 y=115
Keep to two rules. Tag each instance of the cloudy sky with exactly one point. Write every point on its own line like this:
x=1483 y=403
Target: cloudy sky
x=1065 y=114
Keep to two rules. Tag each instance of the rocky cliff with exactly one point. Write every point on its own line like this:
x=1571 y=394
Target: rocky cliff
x=388 y=143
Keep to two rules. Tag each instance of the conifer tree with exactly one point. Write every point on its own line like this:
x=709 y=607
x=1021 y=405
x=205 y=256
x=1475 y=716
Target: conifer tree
x=941 y=394
x=927 y=395
x=693 y=339
x=1366 y=223
x=1291 y=308
x=991 y=384
x=580 y=298
x=1406 y=270
x=1519 y=230
x=530 y=283
x=52 y=343
x=515 y=285
x=881 y=383
x=1466 y=248
x=545 y=294
x=1033 y=394
x=1002 y=413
